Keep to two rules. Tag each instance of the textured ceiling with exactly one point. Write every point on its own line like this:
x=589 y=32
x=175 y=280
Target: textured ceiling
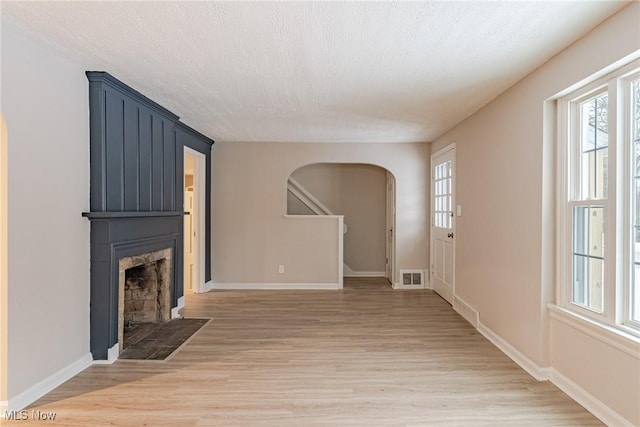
x=314 y=71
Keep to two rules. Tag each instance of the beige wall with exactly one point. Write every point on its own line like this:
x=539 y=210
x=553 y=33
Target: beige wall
x=45 y=103
x=357 y=191
x=250 y=200
x=608 y=373
x=4 y=253
x=296 y=207
x=504 y=247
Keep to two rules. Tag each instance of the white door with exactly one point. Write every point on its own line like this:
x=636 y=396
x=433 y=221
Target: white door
x=391 y=220
x=443 y=222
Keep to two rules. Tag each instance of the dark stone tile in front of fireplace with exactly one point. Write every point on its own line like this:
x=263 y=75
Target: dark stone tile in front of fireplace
x=157 y=341
x=136 y=332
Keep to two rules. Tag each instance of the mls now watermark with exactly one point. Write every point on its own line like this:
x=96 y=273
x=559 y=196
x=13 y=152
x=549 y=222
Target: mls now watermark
x=25 y=415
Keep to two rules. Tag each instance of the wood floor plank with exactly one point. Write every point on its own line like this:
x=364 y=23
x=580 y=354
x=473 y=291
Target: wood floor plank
x=363 y=356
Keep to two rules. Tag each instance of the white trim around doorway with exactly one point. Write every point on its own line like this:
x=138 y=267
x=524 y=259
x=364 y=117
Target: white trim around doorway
x=201 y=181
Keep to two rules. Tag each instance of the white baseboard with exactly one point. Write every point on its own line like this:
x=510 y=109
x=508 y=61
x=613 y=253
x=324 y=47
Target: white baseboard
x=465 y=310
x=276 y=286
x=532 y=368
x=38 y=390
x=364 y=273
x=408 y=287
x=112 y=355
x=573 y=390
x=346 y=270
x=175 y=311
x=207 y=286
x=587 y=400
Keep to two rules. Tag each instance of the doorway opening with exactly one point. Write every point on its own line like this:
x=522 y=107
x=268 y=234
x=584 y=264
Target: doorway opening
x=194 y=220
x=365 y=195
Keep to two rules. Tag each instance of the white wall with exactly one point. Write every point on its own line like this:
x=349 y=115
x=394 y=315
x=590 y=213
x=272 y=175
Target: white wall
x=504 y=247
x=359 y=192
x=45 y=104
x=250 y=200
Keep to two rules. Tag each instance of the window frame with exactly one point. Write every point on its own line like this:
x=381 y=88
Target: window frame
x=617 y=250
x=626 y=122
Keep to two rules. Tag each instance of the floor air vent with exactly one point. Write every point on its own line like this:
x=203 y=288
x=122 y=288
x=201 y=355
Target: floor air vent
x=412 y=277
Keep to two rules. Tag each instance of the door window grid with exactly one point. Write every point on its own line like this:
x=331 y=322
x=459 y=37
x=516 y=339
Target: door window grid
x=442 y=195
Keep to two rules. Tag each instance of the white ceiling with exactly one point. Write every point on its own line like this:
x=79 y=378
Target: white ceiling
x=314 y=71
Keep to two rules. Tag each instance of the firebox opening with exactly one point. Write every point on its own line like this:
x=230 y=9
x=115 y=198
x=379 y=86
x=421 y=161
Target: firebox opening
x=141 y=296
x=143 y=299
x=145 y=295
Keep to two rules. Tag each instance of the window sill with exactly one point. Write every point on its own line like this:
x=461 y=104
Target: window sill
x=607 y=334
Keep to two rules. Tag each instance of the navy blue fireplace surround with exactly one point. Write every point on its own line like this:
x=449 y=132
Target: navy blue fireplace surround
x=136 y=200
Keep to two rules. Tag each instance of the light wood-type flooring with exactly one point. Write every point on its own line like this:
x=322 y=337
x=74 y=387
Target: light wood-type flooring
x=363 y=356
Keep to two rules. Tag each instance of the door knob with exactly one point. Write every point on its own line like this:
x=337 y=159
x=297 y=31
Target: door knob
x=450 y=235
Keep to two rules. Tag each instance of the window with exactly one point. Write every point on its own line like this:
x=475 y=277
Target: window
x=442 y=195
x=599 y=211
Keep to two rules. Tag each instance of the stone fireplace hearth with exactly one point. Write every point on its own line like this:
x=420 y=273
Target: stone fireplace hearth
x=144 y=290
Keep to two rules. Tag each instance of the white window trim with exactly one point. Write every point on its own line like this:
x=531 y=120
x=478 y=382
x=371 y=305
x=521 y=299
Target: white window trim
x=624 y=306
x=615 y=315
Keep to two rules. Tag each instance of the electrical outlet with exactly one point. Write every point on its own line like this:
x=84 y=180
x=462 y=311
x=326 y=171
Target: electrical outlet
x=281 y=269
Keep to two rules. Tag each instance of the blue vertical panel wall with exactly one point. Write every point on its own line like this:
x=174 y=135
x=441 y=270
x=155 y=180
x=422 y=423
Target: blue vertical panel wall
x=131 y=159
x=136 y=197
x=133 y=150
x=145 y=149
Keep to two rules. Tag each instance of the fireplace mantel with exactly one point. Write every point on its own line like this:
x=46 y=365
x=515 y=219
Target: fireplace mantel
x=116 y=215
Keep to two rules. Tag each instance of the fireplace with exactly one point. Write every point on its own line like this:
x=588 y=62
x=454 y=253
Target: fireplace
x=121 y=241
x=144 y=290
x=136 y=208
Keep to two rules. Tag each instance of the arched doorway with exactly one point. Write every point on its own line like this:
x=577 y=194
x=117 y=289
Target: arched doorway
x=365 y=195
